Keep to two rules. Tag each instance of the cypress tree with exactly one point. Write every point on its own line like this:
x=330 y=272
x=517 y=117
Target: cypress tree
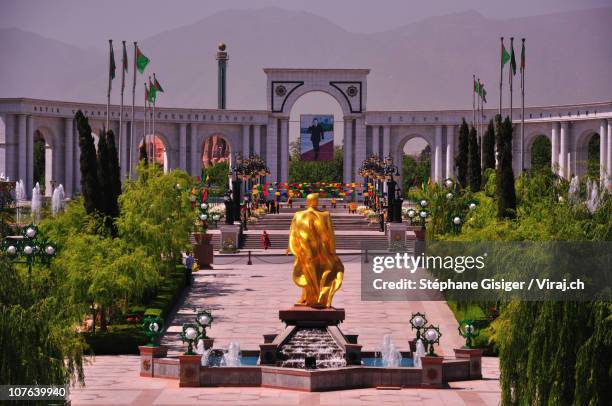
x=461 y=160
x=506 y=194
x=89 y=166
x=143 y=153
x=114 y=175
x=474 y=175
x=488 y=148
x=103 y=174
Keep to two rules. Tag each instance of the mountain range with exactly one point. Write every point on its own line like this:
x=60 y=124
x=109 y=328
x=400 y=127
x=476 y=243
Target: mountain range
x=422 y=65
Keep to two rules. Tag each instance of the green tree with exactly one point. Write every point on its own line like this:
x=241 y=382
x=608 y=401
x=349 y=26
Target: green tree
x=114 y=174
x=156 y=215
x=39 y=163
x=311 y=171
x=102 y=205
x=90 y=187
x=143 y=157
x=506 y=193
x=488 y=147
x=474 y=175
x=461 y=160
x=593 y=157
x=540 y=153
x=218 y=178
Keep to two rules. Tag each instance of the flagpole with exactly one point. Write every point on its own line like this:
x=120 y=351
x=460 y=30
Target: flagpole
x=473 y=99
x=147 y=139
x=108 y=93
x=154 y=99
x=501 y=75
x=523 y=105
x=510 y=74
x=123 y=67
x=144 y=122
x=132 y=122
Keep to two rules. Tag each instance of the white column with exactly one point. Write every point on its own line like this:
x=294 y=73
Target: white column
x=450 y=151
x=284 y=150
x=257 y=139
x=360 y=146
x=69 y=156
x=603 y=151
x=29 y=181
x=348 y=150
x=386 y=140
x=438 y=154
x=22 y=142
x=376 y=140
x=554 y=153
x=194 y=167
x=272 y=148
x=609 y=154
x=182 y=151
x=245 y=141
x=49 y=172
x=563 y=161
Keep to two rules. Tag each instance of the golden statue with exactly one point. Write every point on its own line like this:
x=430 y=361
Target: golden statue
x=317 y=269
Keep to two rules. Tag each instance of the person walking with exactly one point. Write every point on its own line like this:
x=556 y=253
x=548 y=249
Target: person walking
x=189 y=261
x=265 y=240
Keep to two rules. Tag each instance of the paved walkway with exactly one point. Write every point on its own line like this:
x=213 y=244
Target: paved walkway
x=114 y=381
x=245 y=301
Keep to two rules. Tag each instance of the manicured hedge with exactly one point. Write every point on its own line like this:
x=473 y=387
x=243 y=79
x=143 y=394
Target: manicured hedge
x=125 y=338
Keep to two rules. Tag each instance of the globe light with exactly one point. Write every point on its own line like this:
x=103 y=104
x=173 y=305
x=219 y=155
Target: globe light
x=203 y=206
x=30 y=232
x=203 y=217
x=11 y=250
x=191 y=333
x=457 y=220
x=472 y=206
x=49 y=250
x=419 y=321
x=448 y=183
x=423 y=203
x=204 y=319
x=28 y=250
x=469 y=328
x=216 y=217
x=449 y=195
x=411 y=213
x=423 y=214
x=178 y=186
x=431 y=335
x=154 y=327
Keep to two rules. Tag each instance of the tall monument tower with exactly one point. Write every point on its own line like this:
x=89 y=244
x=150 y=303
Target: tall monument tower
x=222 y=57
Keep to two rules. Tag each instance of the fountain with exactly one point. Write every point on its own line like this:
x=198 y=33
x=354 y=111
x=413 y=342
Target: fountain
x=20 y=193
x=574 y=190
x=232 y=357
x=314 y=343
x=391 y=357
x=592 y=202
x=36 y=204
x=205 y=353
x=420 y=352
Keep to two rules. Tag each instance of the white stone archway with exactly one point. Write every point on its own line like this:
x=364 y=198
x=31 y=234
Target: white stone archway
x=286 y=86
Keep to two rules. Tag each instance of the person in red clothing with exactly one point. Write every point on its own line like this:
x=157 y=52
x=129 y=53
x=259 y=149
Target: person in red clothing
x=265 y=240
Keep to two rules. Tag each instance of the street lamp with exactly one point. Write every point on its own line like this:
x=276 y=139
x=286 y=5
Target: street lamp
x=29 y=248
x=190 y=334
x=469 y=331
x=432 y=336
x=418 y=321
x=153 y=327
x=204 y=319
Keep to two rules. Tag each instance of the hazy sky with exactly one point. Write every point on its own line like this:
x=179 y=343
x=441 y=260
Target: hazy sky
x=89 y=23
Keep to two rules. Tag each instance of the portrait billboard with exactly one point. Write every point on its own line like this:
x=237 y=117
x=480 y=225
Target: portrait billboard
x=316 y=137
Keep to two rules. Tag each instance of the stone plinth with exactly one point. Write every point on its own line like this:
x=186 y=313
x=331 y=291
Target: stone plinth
x=432 y=371
x=311 y=317
x=189 y=370
x=203 y=250
x=397 y=234
x=230 y=237
x=474 y=355
x=147 y=353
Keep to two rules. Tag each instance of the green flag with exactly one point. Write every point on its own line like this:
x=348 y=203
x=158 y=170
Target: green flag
x=476 y=87
x=523 y=56
x=505 y=56
x=484 y=94
x=158 y=87
x=512 y=60
x=141 y=60
x=152 y=91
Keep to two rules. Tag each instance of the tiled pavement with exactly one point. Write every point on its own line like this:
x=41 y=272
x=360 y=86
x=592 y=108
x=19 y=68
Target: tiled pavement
x=114 y=381
x=245 y=301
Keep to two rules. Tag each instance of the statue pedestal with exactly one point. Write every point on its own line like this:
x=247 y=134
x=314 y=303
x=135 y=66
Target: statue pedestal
x=397 y=234
x=203 y=249
x=311 y=317
x=230 y=238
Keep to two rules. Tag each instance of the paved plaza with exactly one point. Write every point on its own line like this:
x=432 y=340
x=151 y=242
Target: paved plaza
x=114 y=380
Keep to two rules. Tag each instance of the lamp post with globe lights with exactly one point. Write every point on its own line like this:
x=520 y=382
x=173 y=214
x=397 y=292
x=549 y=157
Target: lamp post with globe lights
x=418 y=321
x=29 y=248
x=153 y=327
x=469 y=331
x=190 y=334
x=204 y=319
x=431 y=336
